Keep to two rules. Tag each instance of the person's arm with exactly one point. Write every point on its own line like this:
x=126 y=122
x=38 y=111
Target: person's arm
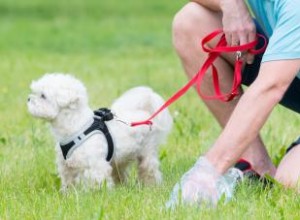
x=211 y=4
x=237 y=22
x=252 y=112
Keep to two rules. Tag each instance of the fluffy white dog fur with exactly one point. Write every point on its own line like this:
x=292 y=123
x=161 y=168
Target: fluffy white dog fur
x=62 y=100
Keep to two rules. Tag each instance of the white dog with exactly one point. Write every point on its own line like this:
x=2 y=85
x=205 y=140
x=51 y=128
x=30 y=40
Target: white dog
x=84 y=151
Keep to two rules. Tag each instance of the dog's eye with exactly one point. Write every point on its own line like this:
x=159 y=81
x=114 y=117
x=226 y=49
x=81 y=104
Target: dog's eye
x=43 y=96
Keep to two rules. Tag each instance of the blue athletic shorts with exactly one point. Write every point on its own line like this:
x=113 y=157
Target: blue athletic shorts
x=291 y=98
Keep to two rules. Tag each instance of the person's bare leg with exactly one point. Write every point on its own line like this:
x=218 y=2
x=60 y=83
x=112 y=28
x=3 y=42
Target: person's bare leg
x=190 y=25
x=288 y=171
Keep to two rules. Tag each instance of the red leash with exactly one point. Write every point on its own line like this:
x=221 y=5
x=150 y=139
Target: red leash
x=213 y=54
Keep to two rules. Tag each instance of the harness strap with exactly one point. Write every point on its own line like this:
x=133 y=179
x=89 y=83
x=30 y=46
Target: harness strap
x=213 y=54
x=101 y=126
x=98 y=126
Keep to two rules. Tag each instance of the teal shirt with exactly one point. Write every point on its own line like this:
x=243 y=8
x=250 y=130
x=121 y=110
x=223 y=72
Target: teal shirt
x=280 y=19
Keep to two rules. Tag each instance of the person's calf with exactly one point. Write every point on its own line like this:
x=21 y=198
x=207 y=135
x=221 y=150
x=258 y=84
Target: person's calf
x=258 y=157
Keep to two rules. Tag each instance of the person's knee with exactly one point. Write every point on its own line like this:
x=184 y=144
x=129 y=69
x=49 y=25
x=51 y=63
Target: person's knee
x=184 y=25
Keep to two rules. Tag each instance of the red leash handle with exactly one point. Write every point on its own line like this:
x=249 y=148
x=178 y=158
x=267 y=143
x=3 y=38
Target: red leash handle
x=222 y=47
x=213 y=54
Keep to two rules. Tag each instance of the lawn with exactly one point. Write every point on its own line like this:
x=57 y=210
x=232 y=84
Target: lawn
x=111 y=46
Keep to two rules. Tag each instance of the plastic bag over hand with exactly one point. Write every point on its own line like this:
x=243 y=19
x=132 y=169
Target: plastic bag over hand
x=203 y=185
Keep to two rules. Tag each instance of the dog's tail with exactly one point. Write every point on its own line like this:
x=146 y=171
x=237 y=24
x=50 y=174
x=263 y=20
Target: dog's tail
x=163 y=120
x=147 y=101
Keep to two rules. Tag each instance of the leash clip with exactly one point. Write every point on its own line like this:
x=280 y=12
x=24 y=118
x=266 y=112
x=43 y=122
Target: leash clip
x=238 y=55
x=121 y=120
x=149 y=123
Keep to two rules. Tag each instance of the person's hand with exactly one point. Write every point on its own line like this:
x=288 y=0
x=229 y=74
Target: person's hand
x=238 y=24
x=202 y=184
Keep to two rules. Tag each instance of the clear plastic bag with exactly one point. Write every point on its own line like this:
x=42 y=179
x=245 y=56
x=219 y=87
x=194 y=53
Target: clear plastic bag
x=203 y=185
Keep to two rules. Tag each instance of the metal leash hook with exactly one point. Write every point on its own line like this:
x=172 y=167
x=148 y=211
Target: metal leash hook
x=238 y=55
x=121 y=120
x=128 y=123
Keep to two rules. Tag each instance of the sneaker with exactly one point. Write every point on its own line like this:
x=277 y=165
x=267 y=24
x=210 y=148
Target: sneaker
x=250 y=174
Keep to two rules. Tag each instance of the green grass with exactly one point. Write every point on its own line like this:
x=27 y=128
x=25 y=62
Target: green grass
x=112 y=46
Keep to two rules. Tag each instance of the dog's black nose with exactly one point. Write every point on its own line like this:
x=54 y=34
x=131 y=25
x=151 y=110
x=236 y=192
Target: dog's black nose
x=28 y=100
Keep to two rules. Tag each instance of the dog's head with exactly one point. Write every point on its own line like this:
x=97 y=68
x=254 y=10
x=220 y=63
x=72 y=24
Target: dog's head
x=54 y=92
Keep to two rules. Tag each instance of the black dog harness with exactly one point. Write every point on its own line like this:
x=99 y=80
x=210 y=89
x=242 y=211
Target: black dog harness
x=98 y=126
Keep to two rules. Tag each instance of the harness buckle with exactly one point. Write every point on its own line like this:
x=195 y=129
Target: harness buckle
x=104 y=114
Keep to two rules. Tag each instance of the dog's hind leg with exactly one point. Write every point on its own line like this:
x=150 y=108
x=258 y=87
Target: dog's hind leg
x=148 y=168
x=120 y=173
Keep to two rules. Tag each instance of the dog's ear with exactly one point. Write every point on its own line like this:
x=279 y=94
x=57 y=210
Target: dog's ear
x=68 y=98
